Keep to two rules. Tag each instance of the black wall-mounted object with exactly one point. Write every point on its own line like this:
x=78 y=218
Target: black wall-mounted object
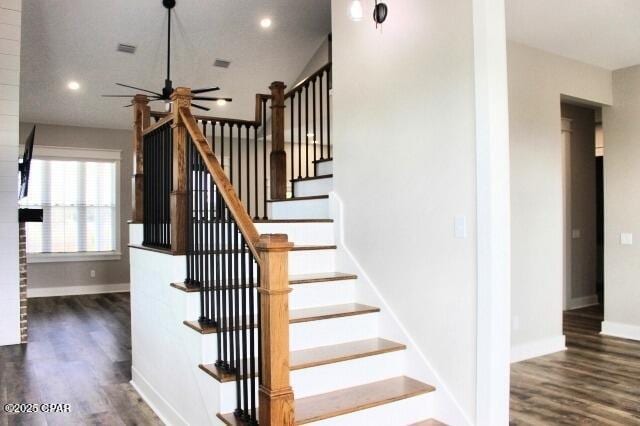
x=25 y=164
x=30 y=215
x=380 y=12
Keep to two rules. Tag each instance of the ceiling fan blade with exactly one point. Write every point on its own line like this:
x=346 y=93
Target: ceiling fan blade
x=117 y=96
x=208 y=98
x=213 y=89
x=137 y=88
x=201 y=107
x=127 y=106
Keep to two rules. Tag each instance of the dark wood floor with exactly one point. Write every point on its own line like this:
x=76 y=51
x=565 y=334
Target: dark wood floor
x=596 y=381
x=79 y=352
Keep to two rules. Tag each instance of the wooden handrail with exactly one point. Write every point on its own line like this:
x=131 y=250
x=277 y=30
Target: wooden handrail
x=301 y=84
x=157 y=125
x=241 y=217
x=257 y=122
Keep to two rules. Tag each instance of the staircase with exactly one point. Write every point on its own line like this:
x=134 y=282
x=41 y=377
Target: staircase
x=342 y=371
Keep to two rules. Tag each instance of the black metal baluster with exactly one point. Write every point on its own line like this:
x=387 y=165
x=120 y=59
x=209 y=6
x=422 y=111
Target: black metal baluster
x=248 y=171
x=292 y=154
x=300 y=134
x=264 y=156
x=219 y=274
x=240 y=162
x=252 y=347
x=328 y=114
x=188 y=280
x=246 y=326
x=255 y=166
x=224 y=328
x=222 y=145
x=306 y=128
x=227 y=250
x=205 y=237
x=315 y=134
x=238 y=321
x=321 y=124
x=213 y=137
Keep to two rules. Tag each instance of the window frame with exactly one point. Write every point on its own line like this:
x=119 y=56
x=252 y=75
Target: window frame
x=42 y=152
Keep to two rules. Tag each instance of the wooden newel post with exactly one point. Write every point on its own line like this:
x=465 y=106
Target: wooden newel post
x=278 y=158
x=275 y=394
x=181 y=97
x=141 y=119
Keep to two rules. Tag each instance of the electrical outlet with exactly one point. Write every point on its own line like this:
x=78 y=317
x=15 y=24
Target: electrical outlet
x=92 y=274
x=460 y=227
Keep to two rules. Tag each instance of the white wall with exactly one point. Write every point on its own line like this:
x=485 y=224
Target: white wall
x=10 y=19
x=622 y=203
x=404 y=138
x=536 y=82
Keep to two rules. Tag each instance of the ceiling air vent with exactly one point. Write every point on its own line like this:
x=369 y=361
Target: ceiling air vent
x=221 y=63
x=126 y=48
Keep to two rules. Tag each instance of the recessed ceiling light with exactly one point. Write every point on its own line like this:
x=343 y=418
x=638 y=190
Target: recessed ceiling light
x=221 y=102
x=265 y=23
x=73 y=85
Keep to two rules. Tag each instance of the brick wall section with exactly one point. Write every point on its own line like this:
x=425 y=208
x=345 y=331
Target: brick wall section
x=22 y=244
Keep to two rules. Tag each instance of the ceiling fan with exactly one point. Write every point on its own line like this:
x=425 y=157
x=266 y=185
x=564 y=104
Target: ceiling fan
x=167 y=90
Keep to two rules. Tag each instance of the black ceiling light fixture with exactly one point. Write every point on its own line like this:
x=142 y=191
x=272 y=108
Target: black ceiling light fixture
x=167 y=90
x=380 y=11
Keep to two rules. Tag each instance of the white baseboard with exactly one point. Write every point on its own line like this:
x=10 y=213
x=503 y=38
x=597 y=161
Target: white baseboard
x=538 y=348
x=582 y=302
x=618 y=329
x=160 y=406
x=76 y=290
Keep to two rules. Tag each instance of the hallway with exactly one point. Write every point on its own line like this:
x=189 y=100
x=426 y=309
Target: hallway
x=594 y=382
x=79 y=353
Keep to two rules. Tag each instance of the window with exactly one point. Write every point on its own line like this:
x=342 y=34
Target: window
x=78 y=192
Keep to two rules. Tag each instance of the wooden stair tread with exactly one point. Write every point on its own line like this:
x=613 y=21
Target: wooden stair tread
x=320 y=277
x=309 y=247
x=323 y=160
x=305 y=179
x=349 y=400
x=293 y=280
x=430 y=422
x=293 y=221
x=305 y=315
x=311 y=197
x=323 y=355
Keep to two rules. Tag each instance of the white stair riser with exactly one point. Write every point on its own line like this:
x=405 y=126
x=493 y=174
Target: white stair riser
x=324 y=168
x=302 y=296
x=303 y=209
x=311 y=261
x=319 y=233
x=309 y=334
x=312 y=187
x=340 y=375
x=403 y=412
x=333 y=376
x=322 y=294
x=333 y=331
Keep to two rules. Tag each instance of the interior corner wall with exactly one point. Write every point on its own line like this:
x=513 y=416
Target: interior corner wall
x=537 y=80
x=405 y=167
x=622 y=205
x=57 y=278
x=10 y=24
x=582 y=233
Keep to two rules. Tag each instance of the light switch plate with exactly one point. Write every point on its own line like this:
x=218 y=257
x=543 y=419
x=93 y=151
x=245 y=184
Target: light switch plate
x=626 y=239
x=460 y=227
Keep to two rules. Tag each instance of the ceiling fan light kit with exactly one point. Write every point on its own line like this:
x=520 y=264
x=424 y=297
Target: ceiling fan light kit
x=167 y=90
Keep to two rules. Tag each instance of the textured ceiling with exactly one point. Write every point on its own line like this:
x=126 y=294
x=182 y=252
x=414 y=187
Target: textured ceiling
x=67 y=40
x=605 y=33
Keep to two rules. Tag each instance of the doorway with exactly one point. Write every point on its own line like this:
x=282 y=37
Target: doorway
x=583 y=150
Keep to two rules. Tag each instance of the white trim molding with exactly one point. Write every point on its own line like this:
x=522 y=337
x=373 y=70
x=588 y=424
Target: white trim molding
x=582 y=302
x=538 y=348
x=618 y=329
x=77 y=290
x=85 y=256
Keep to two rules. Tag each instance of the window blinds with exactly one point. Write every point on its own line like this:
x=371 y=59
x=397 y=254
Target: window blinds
x=78 y=199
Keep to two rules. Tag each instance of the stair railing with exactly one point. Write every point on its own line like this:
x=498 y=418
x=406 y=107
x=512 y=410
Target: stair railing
x=242 y=277
x=309 y=123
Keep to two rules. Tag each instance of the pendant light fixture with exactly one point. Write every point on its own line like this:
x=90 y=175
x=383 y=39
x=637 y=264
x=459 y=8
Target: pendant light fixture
x=356 y=11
